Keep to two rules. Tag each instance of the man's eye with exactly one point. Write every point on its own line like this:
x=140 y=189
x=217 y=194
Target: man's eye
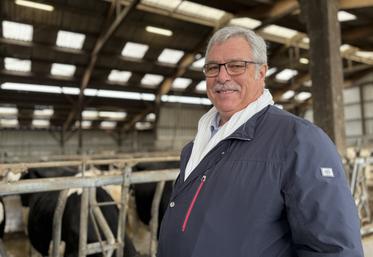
x=212 y=68
x=236 y=65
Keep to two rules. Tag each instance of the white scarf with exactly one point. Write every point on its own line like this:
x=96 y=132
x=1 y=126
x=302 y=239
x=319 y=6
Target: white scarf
x=203 y=144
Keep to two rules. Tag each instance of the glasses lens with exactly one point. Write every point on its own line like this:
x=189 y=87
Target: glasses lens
x=236 y=67
x=211 y=69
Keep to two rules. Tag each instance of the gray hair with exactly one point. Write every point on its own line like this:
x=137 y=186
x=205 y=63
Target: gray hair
x=257 y=43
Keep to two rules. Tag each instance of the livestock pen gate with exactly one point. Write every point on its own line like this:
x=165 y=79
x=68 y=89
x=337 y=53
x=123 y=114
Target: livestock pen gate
x=120 y=174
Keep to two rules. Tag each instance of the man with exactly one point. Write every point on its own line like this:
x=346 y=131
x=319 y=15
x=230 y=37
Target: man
x=257 y=181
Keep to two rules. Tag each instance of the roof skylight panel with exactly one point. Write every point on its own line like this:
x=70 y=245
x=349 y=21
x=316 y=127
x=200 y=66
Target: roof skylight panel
x=143 y=125
x=90 y=114
x=159 y=31
x=150 y=117
x=31 y=87
x=271 y=71
x=9 y=123
x=287 y=95
x=39 y=123
x=163 y=4
x=43 y=112
x=112 y=115
x=201 y=86
x=199 y=63
x=302 y=96
x=40 y=6
x=280 y=31
x=151 y=80
x=60 y=69
x=8 y=111
x=119 y=76
x=17 y=31
x=201 y=11
x=181 y=83
x=286 y=74
x=171 y=56
x=17 y=64
x=108 y=124
x=70 y=39
x=245 y=22
x=134 y=50
x=345 y=16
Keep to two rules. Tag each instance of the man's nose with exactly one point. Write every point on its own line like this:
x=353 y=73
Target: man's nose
x=223 y=74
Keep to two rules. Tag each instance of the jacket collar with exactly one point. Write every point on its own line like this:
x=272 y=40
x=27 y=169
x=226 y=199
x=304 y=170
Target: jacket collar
x=247 y=130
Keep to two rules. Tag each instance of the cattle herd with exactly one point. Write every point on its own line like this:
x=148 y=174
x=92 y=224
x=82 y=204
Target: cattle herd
x=41 y=207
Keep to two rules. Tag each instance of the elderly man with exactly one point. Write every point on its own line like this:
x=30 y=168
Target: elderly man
x=257 y=181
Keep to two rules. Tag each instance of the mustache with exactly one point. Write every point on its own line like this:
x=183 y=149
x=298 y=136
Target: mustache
x=225 y=87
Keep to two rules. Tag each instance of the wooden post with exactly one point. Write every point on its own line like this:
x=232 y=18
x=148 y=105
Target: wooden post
x=326 y=67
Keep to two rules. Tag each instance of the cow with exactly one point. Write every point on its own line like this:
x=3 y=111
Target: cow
x=41 y=211
x=144 y=193
x=2 y=218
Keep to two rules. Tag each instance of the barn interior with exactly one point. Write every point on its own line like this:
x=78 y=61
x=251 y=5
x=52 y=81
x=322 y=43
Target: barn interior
x=107 y=79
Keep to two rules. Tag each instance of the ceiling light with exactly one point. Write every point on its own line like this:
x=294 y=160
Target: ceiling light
x=288 y=94
x=170 y=56
x=119 y=76
x=134 y=50
x=159 y=31
x=151 y=80
x=108 y=124
x=181 y=83
x=201 y=86
x=17 y=31
x=70 y=39
x=286 y=74
x=345 y=16
x=302 y=96
x=60 y=69
x=9 y=123
x=17 y=64
x=45 y=7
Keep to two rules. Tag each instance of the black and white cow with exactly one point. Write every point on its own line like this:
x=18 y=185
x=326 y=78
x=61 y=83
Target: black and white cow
x=2 y=218
x=144 y=193
x=42 y=207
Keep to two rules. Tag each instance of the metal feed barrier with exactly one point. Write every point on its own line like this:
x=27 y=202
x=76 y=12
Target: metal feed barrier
x=121 y=175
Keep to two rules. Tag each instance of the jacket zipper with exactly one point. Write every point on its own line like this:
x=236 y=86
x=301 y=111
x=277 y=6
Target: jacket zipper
x=191 y=205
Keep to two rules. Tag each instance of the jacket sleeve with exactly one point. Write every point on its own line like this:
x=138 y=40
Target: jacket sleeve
x=321 y=211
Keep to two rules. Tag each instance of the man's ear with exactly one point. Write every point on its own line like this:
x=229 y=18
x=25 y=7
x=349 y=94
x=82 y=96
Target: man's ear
x=262 y=71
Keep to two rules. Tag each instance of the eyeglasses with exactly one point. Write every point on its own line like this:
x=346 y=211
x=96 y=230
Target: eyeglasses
x=233 y=68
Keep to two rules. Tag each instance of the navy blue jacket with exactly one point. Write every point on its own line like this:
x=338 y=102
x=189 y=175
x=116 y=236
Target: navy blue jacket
x=273 y=188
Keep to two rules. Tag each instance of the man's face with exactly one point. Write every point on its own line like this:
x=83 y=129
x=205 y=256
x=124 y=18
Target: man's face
x=230 y=94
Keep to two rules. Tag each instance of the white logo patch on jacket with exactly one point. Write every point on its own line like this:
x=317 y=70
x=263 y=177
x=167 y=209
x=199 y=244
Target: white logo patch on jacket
x=327 y=172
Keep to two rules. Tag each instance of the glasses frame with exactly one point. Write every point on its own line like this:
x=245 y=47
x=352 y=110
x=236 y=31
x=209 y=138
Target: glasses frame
x=226 y=68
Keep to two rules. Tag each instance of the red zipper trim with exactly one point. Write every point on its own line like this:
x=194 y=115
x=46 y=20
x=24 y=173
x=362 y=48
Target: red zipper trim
x=192 y=203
